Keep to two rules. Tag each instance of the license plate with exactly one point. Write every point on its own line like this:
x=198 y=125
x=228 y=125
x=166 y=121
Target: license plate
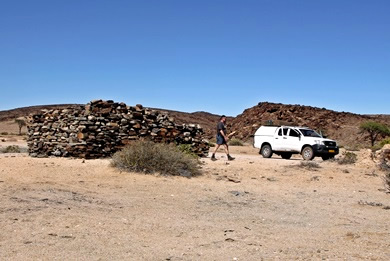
x=331 y=151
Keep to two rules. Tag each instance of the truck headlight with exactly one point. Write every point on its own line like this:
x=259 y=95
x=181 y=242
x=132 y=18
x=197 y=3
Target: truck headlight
x=319 y=142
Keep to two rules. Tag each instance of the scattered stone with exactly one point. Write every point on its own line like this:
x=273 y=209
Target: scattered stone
x=238 y=193
x=233 y=179
x=315 y=178
x=271 y=179
x=235 y=193
x=373 y=174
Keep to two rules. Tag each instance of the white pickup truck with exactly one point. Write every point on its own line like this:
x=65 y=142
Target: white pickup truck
x=288 y=140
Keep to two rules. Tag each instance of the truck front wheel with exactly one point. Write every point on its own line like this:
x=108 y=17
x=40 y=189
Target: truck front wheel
x=266 y=151
x=307 y=153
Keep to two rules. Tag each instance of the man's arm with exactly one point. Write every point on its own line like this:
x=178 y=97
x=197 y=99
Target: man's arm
x=223 y=135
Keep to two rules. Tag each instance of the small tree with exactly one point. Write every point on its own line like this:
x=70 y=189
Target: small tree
x=374 y=130
x=21 y=123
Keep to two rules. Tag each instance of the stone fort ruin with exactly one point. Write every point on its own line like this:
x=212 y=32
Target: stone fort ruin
x=101 y=128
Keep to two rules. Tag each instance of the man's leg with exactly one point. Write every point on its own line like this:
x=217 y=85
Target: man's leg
x=227 y=152
x=215 y=150
x=226 y=147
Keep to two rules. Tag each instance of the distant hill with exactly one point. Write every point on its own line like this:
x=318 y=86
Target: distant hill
x=341 y=126
x=24 y=111
x=207 y=120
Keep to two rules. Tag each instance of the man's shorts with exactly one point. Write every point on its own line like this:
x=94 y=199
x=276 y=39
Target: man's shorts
x=220 y=140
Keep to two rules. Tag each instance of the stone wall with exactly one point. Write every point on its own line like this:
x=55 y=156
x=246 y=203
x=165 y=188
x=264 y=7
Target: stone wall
x=101 y=128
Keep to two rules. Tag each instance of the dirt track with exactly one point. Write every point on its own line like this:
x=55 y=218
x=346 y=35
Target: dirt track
x=249 y=209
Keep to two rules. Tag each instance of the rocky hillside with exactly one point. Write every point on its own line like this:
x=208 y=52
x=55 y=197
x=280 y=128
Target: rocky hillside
x=341 y=126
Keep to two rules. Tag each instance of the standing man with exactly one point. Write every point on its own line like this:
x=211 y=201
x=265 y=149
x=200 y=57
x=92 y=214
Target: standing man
x=222 y=138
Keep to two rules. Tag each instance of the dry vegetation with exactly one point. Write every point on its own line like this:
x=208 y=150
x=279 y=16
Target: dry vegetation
x=11 y=149
x=348 y=158
x=149 y=157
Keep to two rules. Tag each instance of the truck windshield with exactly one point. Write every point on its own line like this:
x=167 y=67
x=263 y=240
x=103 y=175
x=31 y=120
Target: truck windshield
x=310 y=133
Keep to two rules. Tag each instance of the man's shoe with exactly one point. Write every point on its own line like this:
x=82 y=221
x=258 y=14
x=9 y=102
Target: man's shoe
x=230 y=157
x=213 y=158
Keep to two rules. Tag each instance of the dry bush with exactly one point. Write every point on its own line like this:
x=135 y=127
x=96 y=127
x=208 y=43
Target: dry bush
x=310 y=165
x=11 y=149
x=236 y=142
x=211 y=144
x=386 y=180
x=348 y=158
x=384 y=164
x=187 y=149
x=149 y=157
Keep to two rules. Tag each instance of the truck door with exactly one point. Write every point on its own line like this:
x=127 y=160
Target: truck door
x=292 y=141
x=279 y=139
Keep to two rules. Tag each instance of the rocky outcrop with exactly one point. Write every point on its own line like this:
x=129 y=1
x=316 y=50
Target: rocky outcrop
x=101 y=128
x=342 y=126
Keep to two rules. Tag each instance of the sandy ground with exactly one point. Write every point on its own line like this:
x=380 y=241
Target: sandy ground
x=248 y=209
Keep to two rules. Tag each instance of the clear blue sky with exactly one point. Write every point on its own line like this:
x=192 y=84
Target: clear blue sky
x=220 y=56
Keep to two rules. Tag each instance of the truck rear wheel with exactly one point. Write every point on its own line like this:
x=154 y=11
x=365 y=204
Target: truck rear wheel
x=286 y=155
x=307 y=153
x=266 y=151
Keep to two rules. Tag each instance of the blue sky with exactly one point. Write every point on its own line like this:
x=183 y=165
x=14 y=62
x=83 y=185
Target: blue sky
x=220 y=56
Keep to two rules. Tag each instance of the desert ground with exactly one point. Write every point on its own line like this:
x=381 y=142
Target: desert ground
x=248 y=209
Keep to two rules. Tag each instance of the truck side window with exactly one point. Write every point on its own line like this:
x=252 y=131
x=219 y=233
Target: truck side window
x=280 y=132
x=293 y=133
x=285 y=131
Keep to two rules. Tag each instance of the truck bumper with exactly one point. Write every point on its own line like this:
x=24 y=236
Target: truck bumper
x=322 y=150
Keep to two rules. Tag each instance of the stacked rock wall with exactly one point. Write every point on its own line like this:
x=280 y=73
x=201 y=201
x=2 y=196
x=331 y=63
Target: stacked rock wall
x=101 y=128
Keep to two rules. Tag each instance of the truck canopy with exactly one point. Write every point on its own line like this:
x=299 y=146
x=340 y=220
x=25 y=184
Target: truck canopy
x=266 y=131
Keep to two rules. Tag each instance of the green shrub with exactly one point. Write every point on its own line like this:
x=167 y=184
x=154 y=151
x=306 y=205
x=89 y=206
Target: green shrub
x=236 y=142
x=348 y=158
x=4 y=133
x=11 y=149
x=149 y=157
x=384 y=142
